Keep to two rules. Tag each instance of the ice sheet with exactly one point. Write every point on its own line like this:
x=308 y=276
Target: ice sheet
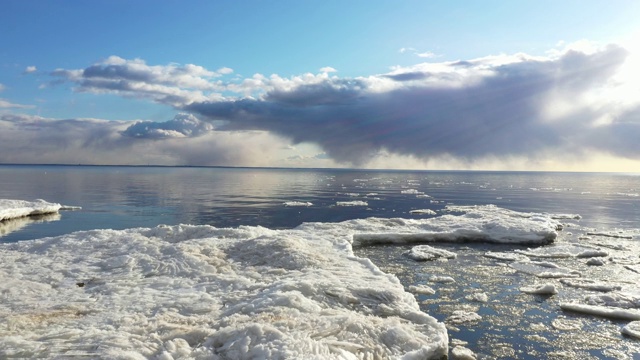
x=12 y=209
x=544 y=269
x=297 y=203
x=565 y=251
x=202 y=292
x=422 y=212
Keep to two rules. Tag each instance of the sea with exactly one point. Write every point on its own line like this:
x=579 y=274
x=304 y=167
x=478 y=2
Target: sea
x=483 y=293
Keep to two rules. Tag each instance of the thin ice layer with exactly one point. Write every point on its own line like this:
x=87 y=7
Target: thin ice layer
x=12 y=209
x=487 y=223
x=201 y=292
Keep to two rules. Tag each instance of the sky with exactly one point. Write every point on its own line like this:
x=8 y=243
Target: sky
x=434 y=85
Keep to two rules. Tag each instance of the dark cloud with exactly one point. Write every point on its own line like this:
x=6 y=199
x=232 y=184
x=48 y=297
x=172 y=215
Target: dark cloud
x=496 y=110
x=183 y=125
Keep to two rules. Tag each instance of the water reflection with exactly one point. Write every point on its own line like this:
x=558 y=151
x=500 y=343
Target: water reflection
x=12 y=225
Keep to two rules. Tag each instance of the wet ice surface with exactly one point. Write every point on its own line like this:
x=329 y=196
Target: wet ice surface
x=526 y=289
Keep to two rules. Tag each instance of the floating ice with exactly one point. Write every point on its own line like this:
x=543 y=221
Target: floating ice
x=297 y=203
x=462 y=353
x=478 y=224
x=591 y=284
x=463 y=316
x=11 y=209
x=612 y=235
x=478 y=297
x=603 y=311
x=442 y=279
x=411 y=191
x=543 y=269
x=352 y=203
x=564 y=251
x=632 y=329
x=618 y=305
x=544 y=289
x=422 y=289
x=505 y=256
x=203 y=292
x=595 y=262
x=427 y=253
x=423 y=212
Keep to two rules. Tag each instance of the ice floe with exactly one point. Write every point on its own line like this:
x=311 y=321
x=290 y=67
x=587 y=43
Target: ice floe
x=591 y=284
x=477 y=224
x=298 y=203
x=427 y=253
x=463 y=316
x=352 y=203
x=12 y=209
x=564 y=251
x=543 y=289
x=544 y=269
x=422 y=212
x=618 y=305
x=632 y=329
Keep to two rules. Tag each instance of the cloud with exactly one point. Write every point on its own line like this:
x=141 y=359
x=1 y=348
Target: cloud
x=2 y=87
x=490 y=107
x=30 y=70
x=34 y=139
x=169 y=84
x=183 y=125
x=6 y=104
x=502 y=109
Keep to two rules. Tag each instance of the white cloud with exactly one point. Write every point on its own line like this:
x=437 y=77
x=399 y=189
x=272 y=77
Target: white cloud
x=328 y=69
x=30 y=69
x=489 y=110
x=2 y=87
x=6 y=104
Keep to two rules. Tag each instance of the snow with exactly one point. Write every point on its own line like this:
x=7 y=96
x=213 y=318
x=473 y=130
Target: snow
x=205 y=292
x=422 y=289
x=12 y=209
x=427 y=253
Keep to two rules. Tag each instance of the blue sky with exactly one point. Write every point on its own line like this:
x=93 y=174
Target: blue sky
x=197 y=65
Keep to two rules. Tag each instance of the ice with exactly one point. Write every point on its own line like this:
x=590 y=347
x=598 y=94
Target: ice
x=478 y=297
x=422 y=289
x=297 y=203
x=487 y=223
x=505 y=256
x=543 y=269
x=423 y=212
x=427 y=253
x=591 y=284
x=612 y=235
x=462 y=353
x=618 y=305
x=12 y=209
x=595 y=262
x=543 y=289
x=203 y=292
x=463 y=316
x=632 y=329
x=411 y=191
x=603 y=311
x=352 y=203
x=564 y=251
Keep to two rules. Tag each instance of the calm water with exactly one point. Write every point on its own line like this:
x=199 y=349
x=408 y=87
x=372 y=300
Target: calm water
x=514 y=325
x=125 y=197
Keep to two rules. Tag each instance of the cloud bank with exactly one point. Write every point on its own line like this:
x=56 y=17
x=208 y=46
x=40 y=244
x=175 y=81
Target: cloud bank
x=183 y=140
x=568 y=102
